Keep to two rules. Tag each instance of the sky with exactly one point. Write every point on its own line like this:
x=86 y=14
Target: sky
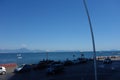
x=59 y=24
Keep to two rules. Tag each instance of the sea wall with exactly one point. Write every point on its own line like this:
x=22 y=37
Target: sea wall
x=9 y=65
x=111 y=57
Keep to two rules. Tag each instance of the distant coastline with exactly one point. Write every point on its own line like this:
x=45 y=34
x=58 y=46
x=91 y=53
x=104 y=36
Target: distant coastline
x=25 y=50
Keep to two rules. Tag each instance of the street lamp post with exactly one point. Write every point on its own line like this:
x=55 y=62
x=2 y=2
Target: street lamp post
x=19 y=58
x=92 y=35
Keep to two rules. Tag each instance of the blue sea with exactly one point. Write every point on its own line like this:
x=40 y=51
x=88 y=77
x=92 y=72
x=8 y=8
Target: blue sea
x=32 y=58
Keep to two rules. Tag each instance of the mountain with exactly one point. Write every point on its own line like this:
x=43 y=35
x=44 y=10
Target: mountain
x=21 y=50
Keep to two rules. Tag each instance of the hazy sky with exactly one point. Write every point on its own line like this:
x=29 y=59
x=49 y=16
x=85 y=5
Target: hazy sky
x=59 y=24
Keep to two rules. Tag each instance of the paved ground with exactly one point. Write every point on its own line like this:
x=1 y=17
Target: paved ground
x=74 y=72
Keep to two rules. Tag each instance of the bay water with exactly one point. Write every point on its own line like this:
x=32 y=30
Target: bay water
x=32 y=58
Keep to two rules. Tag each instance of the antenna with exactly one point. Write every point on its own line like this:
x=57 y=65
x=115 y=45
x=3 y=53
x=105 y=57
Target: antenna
x=92 y=35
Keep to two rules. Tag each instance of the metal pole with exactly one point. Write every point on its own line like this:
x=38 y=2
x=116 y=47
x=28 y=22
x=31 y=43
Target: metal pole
x=92 y=35
x=47 y=56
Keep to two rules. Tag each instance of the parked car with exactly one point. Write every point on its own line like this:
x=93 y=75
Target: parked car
x=107 y=60
x=43 y=64
x=2 y=70
x=56 y=62
x=68 y=63
x=76 y=61
x=23 y=68
x=82 y=60
x=55 y=68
